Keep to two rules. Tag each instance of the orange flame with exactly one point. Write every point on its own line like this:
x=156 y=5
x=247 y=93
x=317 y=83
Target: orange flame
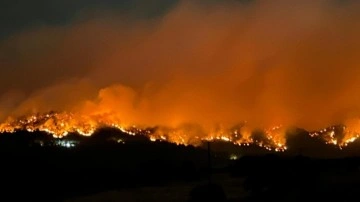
x=62 y=124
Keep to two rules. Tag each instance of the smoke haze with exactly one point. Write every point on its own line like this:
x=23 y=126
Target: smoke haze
x=294 y=63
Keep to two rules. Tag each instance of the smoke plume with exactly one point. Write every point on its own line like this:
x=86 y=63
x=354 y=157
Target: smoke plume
x=294 y=63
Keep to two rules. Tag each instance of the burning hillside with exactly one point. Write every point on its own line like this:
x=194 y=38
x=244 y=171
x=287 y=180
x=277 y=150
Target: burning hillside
x=193 y=74
x=61 y=124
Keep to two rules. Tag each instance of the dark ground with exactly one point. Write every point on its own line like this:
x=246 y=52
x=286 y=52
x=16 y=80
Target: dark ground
x=98 y=169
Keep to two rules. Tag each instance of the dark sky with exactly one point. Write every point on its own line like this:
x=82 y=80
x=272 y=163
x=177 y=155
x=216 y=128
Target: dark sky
x=17 y=15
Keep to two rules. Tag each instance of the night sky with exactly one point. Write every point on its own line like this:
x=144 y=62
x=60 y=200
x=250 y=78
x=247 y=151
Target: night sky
x=20 y=15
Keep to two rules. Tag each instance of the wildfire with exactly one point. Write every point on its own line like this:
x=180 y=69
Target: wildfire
x=277 y=136
x=340 y=136
x=60 y=124
x=273 y=139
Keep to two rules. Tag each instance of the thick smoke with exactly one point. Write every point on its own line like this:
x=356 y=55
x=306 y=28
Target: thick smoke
x=294 y=63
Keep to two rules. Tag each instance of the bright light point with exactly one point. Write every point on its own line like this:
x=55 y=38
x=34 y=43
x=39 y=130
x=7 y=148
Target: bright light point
x=234 y=157
x=226 y=139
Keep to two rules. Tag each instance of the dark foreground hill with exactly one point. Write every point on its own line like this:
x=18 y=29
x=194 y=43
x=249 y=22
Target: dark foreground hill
x=35 y=166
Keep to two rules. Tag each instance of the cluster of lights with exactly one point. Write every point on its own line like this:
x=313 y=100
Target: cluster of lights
x=65 y=143
x=234 y=157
